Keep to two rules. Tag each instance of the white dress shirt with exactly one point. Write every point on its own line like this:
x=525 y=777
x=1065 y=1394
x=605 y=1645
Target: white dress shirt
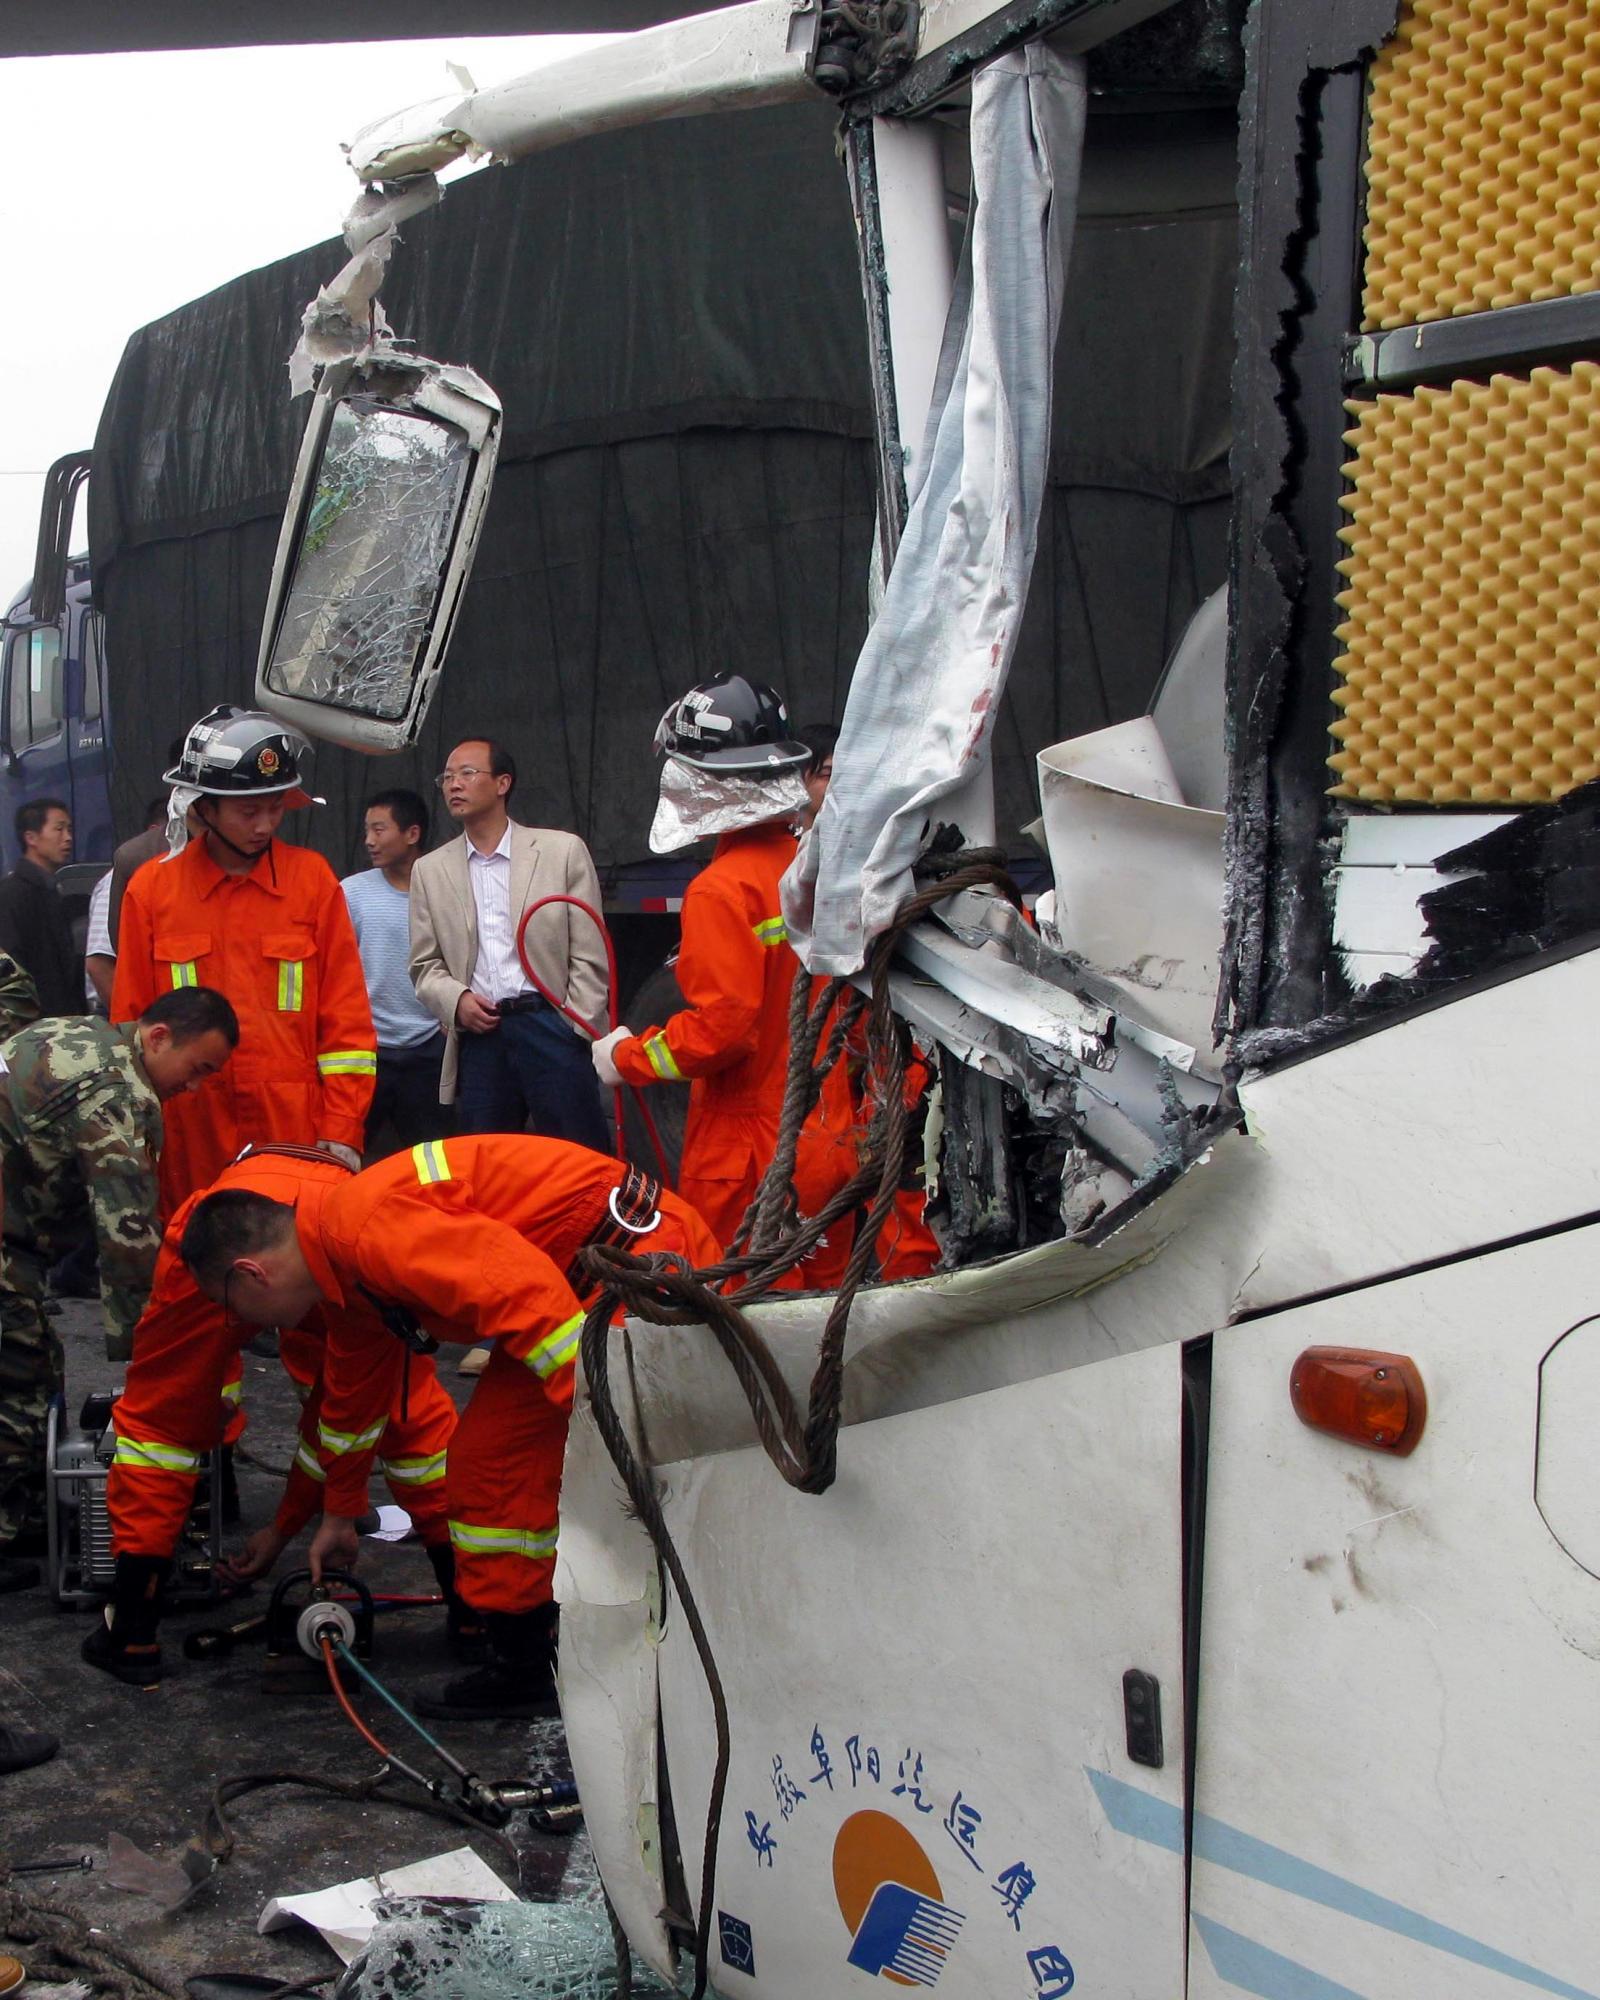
x=497 y=974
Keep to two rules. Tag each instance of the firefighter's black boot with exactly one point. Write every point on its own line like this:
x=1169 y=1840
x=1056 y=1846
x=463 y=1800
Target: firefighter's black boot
x=516 y=1683
x=124 y=1642
x=466 y=1631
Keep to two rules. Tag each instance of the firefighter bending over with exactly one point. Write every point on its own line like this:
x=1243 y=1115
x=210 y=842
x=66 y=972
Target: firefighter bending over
x=470 y=1240
x=179 y=1397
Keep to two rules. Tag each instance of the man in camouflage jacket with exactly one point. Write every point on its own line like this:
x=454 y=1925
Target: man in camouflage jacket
x=80 y=1133
x=19 y=1003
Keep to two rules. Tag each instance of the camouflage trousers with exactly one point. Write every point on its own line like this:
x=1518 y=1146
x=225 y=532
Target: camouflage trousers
x=30 y=1374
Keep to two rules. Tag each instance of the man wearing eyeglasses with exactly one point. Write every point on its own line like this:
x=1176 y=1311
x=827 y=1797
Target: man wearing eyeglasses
x=514 y=1061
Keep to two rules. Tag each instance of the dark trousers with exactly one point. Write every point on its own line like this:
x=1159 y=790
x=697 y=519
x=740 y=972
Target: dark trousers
x=532 y=1073
x=405 y=1103
x=30 y=1374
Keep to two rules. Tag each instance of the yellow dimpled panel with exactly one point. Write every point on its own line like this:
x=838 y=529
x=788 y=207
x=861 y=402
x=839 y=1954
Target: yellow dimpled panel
x=1483 y=158
x=1470 y=669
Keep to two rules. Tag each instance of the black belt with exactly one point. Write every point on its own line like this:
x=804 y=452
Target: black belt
x=633 y=1208
x=520 y=1003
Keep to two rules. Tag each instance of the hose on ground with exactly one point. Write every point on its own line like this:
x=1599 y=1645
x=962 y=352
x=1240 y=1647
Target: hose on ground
x=221 y=1839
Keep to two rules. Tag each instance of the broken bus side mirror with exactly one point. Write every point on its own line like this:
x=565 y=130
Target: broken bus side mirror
x=377 y=543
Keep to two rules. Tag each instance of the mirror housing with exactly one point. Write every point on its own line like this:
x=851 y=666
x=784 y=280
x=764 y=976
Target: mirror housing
x=377 y=543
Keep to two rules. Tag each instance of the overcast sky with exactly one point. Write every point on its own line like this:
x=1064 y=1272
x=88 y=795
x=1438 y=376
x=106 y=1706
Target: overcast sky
x=155 y=178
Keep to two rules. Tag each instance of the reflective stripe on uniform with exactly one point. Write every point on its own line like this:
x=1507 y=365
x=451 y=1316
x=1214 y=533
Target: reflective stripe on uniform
x=538 y=1544
x=160 y=1457
x=347 y=1062
x=661 y=1059
x=556 y=1349
x=413 y=1471
x=430 y=1162
x=187 y=974
x=339 y=1442
x=771 y=930
x=306 y=1459
x=233 y=1392
x=291 y=985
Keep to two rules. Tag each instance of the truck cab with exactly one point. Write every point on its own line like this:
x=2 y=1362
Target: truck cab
x=52 y=715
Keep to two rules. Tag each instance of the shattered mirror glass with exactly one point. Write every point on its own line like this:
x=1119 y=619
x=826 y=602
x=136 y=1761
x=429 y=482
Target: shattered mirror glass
x=427 y=1949
x=371 y=558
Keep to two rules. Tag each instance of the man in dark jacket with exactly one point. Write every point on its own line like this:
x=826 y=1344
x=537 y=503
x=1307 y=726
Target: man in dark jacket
x=35 y=927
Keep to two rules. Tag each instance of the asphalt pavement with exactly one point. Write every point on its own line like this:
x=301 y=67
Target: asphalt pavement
x=144 y=1762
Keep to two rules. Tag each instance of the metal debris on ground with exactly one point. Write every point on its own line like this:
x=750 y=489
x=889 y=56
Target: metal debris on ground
x=170 y=1880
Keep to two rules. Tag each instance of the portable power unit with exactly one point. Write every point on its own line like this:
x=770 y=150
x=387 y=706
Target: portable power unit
x=78 y=1523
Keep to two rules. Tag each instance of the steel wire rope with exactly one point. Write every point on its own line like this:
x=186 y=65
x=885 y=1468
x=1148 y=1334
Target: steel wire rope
x=58 y=1927
x=663 y=1292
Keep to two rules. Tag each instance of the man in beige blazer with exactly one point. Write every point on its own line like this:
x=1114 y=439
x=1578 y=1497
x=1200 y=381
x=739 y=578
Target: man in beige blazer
x=513 y=1062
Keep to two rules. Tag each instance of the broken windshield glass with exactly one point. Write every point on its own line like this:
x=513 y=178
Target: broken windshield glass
x=373 y=548
x=425 y=1949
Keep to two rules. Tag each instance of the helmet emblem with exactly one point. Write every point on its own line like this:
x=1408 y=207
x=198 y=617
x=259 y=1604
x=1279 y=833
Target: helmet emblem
x=268 y=762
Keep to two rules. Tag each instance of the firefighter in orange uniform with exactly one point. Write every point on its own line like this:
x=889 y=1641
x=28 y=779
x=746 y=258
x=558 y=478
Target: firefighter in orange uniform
x=179 y=1395
x=264 y=923
x=471 y=1240
x=731 y=769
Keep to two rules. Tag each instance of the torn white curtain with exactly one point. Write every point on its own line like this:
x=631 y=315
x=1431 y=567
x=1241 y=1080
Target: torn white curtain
x=923 y=698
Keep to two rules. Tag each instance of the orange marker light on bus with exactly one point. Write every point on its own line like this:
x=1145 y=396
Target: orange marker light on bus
x=1364 y=1397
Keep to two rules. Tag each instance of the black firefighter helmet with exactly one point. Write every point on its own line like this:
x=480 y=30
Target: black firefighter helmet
x=732 y=726
x=241 y=753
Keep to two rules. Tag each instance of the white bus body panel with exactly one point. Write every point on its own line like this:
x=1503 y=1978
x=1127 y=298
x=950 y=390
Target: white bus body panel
x=1016 y=1427
x=962 y=1604
x=1400 y=1665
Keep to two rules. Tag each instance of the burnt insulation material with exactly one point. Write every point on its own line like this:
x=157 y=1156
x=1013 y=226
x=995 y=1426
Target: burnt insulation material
x=1534 y=884
x=1196 y=45
x=672 y=317
x=1299 y=155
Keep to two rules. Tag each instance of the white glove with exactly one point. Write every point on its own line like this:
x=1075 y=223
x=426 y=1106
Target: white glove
x=347 y=1156
x=604 y=1068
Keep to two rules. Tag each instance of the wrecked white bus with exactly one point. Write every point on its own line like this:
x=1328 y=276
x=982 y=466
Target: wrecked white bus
x=1196 y=1587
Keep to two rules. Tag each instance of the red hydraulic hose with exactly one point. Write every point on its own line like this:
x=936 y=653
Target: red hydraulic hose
x=344 y=1699
x=561 y=1007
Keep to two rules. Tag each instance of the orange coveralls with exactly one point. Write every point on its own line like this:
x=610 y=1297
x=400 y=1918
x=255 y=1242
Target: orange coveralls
x=731 y=1042
x=473 y=1237
x=278 y=943
x=829 y=1154
x=182 y=1390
